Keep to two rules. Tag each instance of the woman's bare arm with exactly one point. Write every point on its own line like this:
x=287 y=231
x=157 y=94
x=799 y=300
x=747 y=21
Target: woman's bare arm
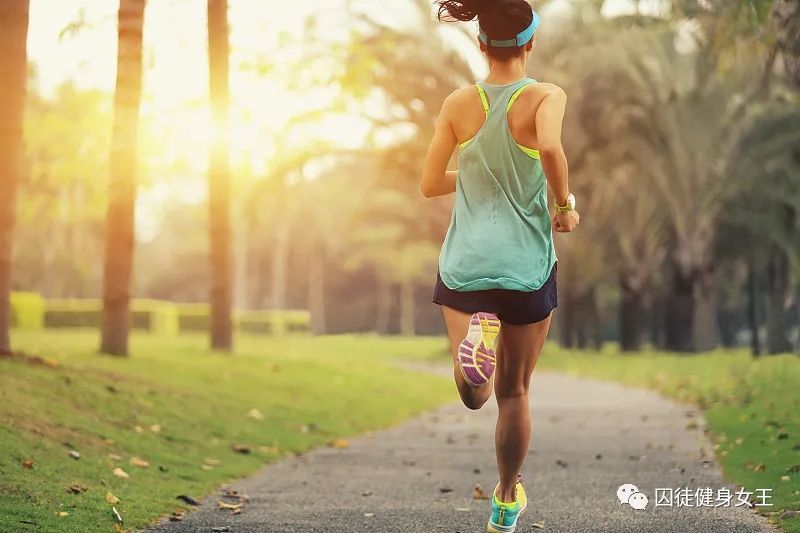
x=549 y=120
x=436 y=179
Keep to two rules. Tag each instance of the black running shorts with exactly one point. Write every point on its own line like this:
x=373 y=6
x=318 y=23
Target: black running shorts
x=514 y=307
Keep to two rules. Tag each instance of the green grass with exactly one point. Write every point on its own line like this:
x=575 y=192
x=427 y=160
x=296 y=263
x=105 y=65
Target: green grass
x=310 y=390
x=752 y=407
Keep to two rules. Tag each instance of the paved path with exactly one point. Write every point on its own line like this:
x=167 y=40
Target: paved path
x=589 y=438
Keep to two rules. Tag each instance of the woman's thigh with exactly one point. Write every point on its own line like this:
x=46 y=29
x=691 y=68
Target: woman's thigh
x=520 y=347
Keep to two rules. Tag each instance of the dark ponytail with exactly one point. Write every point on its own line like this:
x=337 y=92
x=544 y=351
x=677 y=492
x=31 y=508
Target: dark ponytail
x=500 y=19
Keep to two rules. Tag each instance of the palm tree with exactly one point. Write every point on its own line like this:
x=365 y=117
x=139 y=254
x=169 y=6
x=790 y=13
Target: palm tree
x=13 y=64
x=676 y=118
x=219 y=179
x=120 y=237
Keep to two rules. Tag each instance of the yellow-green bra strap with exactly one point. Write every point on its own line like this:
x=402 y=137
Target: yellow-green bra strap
x=514 y=97
x=484 y=100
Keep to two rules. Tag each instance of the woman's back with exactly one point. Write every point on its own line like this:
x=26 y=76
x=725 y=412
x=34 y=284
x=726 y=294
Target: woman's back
x=500 y=236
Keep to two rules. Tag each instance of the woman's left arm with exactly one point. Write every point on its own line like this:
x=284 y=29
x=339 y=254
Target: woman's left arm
x=436 y=179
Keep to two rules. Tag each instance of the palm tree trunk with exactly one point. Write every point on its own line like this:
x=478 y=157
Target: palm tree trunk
x=13 y=65
x=704 y=315
x=219 y=179
x=407 y=309
x=280 y=265
x=316 y=291
x=752 y=306
x=120 y=222
x=631 y=316
x=778 y=277
x=679 y=315
x=383 y=307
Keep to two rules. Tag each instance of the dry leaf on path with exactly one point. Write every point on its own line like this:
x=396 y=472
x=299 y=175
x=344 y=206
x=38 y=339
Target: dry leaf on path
x=225 y=505
x=120 y=473
x=478 y=494
x=538 y=525
x=340 y=444
x=177 y=516
x=111 y=499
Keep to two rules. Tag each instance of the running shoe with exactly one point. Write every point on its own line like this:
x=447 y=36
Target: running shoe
x=476 y=354
x=505 y=515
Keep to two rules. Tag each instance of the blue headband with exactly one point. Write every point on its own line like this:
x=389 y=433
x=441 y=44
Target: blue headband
x=521 y=39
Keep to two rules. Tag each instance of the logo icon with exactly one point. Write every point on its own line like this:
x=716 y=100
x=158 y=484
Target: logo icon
x=630 y=494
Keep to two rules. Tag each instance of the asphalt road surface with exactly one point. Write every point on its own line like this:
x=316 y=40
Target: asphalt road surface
x=589 y=438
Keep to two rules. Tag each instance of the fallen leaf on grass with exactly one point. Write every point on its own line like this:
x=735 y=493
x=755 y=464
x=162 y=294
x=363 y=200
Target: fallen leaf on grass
x=117 y=516
x=785 y=478
x=226 y=505
x=155 y=428
x=794 y=469
x=269 y=449
x=115 y=457
x=120 y=473
x=255 y=414
x=74 y=454
x=111 y=499
x=759 y=467
x=212 y=462
x=207 y=468
x=478 y=494
x=187 y=499
x=177 y=516
x=138 y=429
x=27 y=463
x=119 y=529
x=77 y=489
x=339 y=444
x=63 y=513
x=241 y=448
x=139 y=462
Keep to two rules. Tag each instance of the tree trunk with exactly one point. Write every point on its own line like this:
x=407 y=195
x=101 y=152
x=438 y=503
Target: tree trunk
x=778 y=278
x=631 y=317
x=704 y=315
x=679 y=315
x=407 y=308
x=219 y=179
x=120 y=224
x=280 y=265
x=752 y=306
x=383 y=307
x=316 y=291
x=13 y=65
x=566 y=320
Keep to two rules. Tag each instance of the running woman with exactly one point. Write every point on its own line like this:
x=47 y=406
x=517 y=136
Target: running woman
x=497 y=267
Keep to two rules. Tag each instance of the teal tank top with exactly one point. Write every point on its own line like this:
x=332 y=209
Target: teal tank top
x=500 y=235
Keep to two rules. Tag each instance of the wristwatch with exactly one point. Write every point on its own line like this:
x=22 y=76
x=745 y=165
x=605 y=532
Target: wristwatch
x=569 y=206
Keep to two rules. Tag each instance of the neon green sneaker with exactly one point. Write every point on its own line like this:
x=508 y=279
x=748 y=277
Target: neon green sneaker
x=505 y=515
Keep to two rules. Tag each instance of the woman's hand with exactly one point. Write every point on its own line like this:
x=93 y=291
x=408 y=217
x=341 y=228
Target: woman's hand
x=566 y=222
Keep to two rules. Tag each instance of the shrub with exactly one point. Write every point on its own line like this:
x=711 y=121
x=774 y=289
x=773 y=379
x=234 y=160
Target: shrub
x=146 y=315
x=27 y=310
